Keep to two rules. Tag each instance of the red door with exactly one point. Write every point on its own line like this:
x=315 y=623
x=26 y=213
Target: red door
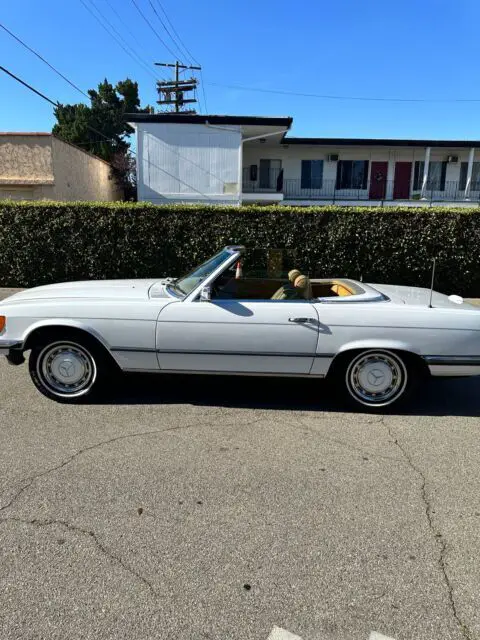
x=401 y=184
x=378 y=181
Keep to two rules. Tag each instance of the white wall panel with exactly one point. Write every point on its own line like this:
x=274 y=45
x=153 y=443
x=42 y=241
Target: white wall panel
x=188 y=162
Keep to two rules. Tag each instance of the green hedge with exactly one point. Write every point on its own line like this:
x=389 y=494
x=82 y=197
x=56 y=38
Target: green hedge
x=51 y=242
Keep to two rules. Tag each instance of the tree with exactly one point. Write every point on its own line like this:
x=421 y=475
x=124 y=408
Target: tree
x=101 y=128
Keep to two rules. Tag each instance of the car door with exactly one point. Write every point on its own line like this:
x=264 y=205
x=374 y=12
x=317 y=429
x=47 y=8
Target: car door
x=243 y=336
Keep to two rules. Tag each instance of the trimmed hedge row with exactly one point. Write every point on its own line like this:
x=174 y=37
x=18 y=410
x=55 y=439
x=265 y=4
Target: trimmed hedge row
x=43 y=242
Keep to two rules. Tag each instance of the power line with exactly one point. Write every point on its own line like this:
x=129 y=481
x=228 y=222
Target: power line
x=177 y=34
x=127 y=28
x=133 y=55
x=166 y=28
x=55 y=104
x=25 y=84
x=331 y=97
x=153 y=29
x=24 y=44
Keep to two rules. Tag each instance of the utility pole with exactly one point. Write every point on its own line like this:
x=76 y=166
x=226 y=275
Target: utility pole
x=173 y=91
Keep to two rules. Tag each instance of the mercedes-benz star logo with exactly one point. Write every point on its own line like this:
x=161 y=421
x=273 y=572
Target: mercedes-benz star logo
x=67 y=368
x=375 y=377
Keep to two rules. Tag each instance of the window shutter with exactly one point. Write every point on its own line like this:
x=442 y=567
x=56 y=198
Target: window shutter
x=306 y=182
x=338 y=184
x=317 y=174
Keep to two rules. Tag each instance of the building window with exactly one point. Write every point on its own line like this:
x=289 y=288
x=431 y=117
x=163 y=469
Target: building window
x=437 y=171
x=475 y=185
x=352 y=174
x=312 y=174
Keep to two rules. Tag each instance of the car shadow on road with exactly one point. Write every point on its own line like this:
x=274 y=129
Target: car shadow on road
x=452 y=397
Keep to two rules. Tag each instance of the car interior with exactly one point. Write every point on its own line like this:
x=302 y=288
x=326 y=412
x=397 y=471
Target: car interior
x=297 y=286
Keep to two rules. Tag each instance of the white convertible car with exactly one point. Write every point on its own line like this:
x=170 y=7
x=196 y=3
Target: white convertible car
x=373 y=341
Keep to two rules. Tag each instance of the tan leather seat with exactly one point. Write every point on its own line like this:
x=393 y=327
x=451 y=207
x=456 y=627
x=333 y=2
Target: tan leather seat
x=304 y=287
x=341 y=290
x=287 y=291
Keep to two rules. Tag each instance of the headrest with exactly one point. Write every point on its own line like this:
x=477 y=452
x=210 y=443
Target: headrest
x=293 y=274
x=303 y=284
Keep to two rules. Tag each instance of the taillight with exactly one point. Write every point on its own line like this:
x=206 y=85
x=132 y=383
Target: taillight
x=3 y=322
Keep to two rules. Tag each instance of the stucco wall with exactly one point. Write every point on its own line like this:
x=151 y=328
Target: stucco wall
x=80 y=176
x=40 y=166
x=26 y=159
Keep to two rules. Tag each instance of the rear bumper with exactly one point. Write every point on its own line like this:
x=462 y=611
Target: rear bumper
x=453 y=366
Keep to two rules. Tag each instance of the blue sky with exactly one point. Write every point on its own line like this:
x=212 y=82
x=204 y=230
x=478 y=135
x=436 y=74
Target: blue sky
x=404 y=49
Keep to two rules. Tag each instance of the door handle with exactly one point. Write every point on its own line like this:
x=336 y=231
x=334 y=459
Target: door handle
x=300 y=320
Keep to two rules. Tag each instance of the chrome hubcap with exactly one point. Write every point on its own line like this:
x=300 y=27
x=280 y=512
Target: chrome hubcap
x=376 y=378
x=67 y=369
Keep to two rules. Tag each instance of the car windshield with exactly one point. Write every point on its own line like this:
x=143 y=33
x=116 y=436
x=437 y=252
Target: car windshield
x=187 y=283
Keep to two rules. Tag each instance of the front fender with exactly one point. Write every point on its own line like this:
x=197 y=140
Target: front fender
x=62 y=322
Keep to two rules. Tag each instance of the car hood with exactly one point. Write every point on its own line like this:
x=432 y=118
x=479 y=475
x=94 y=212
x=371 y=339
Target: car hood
x=87 y=289
x=419 y=297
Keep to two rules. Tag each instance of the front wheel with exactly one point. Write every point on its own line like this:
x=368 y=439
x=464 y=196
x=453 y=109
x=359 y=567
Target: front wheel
x=376 y=379
x=66 y=370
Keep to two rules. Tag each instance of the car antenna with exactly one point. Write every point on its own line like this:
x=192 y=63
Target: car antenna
x=434 y=262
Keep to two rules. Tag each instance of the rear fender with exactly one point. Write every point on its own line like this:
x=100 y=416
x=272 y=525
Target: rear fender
x=373 y=343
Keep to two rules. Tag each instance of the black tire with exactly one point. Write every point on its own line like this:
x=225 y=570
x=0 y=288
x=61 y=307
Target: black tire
x=68 y=367
x=375 y=380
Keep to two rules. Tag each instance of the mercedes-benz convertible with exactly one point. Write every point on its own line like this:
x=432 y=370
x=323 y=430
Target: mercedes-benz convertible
x=373 y=342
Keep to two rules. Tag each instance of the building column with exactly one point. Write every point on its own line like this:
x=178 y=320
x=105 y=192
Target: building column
x=426 y=166
x=468 y=184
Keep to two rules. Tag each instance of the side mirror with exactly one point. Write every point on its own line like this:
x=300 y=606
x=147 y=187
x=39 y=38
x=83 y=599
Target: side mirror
x=206 y=294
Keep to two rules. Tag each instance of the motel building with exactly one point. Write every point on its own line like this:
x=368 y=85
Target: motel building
x=219 y=159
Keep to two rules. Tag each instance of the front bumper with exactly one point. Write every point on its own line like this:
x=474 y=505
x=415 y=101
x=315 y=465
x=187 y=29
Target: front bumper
x=6 y=345
x=12 y=350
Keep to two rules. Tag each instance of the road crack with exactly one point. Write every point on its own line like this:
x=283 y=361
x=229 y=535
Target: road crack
x=439 y=540
x=346 y=445
x=93 y=536
x=29 y=481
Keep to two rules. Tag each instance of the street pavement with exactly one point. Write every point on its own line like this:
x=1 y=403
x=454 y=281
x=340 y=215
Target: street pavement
x=233 y=508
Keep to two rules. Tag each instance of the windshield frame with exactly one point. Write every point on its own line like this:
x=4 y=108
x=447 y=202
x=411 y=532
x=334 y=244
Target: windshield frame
x=231 y=254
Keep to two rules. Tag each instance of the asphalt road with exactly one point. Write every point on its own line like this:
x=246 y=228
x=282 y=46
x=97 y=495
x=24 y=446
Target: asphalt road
x=219 y=508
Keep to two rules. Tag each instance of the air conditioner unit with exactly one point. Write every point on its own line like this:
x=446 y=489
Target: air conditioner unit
x=332 y=157
x=452 y=159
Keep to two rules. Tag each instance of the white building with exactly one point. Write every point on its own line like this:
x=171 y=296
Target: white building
x=238 y=159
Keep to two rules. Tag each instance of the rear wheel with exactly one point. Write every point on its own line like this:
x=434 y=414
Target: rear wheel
x=67 y=369
x=376 y=379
